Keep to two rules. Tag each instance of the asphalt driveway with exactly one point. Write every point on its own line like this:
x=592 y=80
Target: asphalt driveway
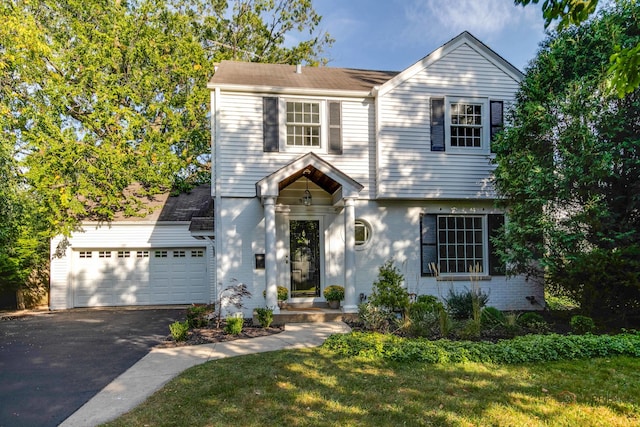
x=51 y=363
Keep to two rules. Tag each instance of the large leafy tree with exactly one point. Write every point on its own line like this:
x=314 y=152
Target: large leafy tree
x=624 y=62
x=569 y=168
x=98 y=95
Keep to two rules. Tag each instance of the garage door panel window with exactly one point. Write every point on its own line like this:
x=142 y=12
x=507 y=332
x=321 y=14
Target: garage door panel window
x=142 y=254
x=124 y=254
x=179 y=254
x=104 y=254
x=160 y=254
x=85 y=254
x=197 y=254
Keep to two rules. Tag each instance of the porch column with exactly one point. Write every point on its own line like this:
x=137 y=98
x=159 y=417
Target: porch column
x=271 y=269
x=350 y=305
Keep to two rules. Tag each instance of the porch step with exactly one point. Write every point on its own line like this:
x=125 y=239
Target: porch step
x=308 y=315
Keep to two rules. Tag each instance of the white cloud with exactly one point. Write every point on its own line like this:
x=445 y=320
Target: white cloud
x=485 y=19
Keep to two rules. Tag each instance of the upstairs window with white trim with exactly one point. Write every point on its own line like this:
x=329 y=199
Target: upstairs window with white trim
x=303 y=124
x=464 y=125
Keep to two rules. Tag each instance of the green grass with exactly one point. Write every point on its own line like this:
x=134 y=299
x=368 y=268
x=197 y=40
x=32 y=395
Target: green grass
x=317 y=387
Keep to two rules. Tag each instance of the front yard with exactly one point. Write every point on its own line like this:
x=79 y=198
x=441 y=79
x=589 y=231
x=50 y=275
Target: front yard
x=319 y=387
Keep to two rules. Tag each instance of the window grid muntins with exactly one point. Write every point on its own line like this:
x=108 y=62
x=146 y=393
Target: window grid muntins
x=303 y=124
x=466 y=125
x=460 y=243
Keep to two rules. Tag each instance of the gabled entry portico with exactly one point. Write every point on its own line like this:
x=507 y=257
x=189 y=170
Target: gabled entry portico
x=304 y=223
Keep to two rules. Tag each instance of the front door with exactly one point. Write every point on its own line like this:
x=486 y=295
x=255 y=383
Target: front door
x=304 y=255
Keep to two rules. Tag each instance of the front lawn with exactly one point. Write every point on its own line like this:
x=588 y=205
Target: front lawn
x=319 y=387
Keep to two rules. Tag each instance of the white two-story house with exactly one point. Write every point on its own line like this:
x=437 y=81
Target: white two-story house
x=320 y=175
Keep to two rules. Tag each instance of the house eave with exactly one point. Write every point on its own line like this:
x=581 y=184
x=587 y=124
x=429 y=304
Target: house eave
x=280 y=90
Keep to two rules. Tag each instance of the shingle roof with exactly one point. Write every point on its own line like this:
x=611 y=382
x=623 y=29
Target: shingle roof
x=183 y=207
x=285 y=76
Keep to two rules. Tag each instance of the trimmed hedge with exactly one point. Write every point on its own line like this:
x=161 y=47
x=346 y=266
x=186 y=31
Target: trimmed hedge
x=523 y=349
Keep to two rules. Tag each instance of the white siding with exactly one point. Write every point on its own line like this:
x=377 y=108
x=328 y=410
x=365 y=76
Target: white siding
x=395 y=234
x=68 y=278
x=407 y=167
x=242 y=162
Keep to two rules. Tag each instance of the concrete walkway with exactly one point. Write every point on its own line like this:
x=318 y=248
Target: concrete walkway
x=160 y=365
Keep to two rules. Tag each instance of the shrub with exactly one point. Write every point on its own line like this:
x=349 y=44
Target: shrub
x=424 y=318
x=428 y=299
x=283 y=293
x=528 y=319
x=198 y=315
x=179 y=330
x=460 y=305
x=582 y=324
x=334 y=293
x=387 y=290
x=233 y=325
x=524 y=349
x=377 y=319
x=492 y=317
x=265 y=316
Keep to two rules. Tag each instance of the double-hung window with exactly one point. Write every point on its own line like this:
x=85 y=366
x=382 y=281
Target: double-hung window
x=458 y=244
x=464 y=125
x=303 y=124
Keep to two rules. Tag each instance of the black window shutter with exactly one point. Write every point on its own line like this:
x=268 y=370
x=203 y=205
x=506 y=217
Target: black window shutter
x=271 y=133
x=437 y=124
x=497 y=118
x=335 y=127
x=496 y=266
x=428 y=243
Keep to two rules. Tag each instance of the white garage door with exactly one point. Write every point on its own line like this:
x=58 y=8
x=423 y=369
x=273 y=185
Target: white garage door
x=116 y=277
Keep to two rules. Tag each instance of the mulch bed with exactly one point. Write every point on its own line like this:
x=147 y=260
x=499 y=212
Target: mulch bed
x=211 y=334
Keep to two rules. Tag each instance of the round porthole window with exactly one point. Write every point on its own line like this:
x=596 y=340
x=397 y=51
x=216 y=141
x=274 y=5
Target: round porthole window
x=363 y=232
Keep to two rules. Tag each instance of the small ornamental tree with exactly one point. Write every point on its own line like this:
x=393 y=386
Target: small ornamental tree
x=388 y=292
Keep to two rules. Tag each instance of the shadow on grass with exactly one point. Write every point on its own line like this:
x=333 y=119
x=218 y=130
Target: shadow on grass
x=316 y=387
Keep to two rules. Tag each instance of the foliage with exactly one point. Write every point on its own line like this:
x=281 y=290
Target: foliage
x=179 y=330
x=492 y=317
x=231 y=296
x=460 y=305
x=198 y=316
x=605 y=282
x=283 y=293
x=529 y=318
x=424 y=317
x=624 y=61
x=559 y=301
x=567 y=168
x=582 y=324
x=388 y=292
x=375 y=318
x=334 y=293
x=428 y=299
x=265 y=316
x=97 y=96
x=233 y=325
x=524 y=349
x=533 y=323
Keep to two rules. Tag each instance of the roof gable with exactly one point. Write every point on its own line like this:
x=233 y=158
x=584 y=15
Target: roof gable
x=462 y=39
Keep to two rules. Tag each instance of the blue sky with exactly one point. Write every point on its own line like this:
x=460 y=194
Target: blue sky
x=394 y=34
